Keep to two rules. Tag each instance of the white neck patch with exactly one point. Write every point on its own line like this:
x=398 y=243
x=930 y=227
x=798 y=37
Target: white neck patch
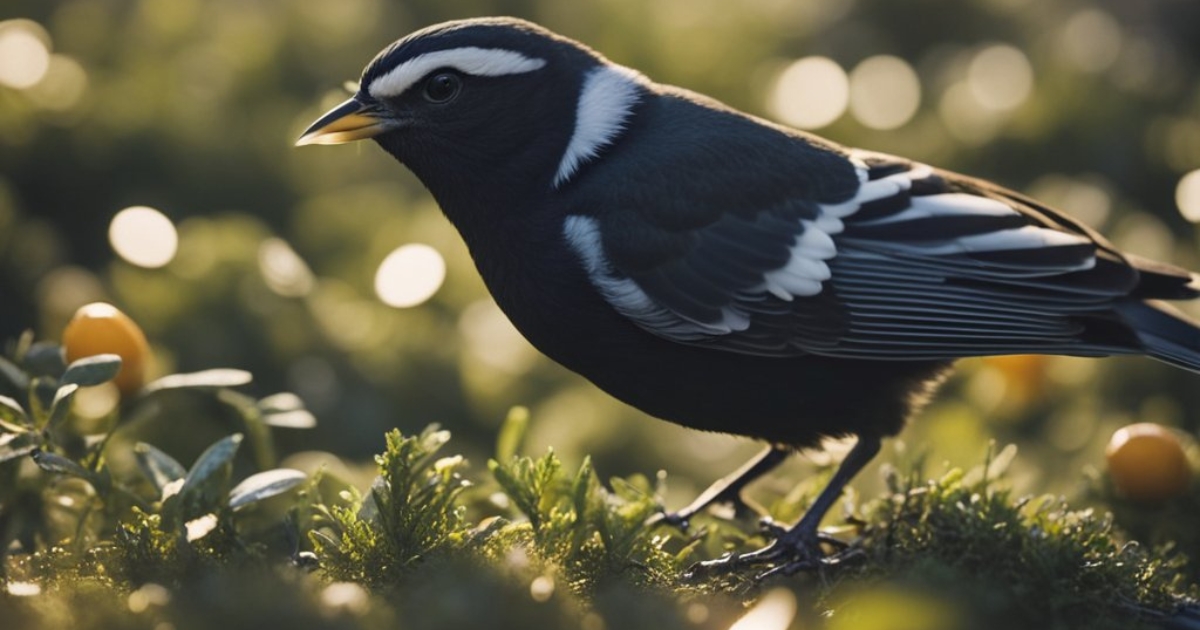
x=486 y=62
x=605 y=103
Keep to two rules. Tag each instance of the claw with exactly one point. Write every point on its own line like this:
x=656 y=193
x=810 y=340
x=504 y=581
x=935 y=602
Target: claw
x=771 y=528
x=788 y=554
x=799 y=565
x=803 y=546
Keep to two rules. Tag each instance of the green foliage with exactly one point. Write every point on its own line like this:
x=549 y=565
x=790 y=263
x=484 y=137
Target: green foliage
x=593 y=536
x=571 y=528
x=409 y=515
x=1010 y=562
x=67 y=513
x=532 y=541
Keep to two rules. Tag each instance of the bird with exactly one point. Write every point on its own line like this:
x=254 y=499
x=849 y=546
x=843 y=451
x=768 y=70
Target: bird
x=729 y=274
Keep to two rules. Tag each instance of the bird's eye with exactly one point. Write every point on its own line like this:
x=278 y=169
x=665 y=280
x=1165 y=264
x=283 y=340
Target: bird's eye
x=442 y=87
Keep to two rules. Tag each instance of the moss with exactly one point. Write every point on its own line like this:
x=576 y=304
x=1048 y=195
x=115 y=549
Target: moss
x=1009 y=562
x=529 y=542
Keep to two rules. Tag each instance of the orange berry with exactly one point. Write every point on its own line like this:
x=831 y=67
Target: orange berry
x=1147 y=463
x=99 y=328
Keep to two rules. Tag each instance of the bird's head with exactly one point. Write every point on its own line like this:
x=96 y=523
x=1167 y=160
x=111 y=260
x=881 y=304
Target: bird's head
x=491 y=98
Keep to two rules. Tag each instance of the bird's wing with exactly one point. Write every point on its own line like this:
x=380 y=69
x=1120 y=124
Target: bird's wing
x=918 y=264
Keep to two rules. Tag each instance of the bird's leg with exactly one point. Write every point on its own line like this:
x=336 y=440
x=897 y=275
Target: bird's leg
x=728 y=489
x=799 y=548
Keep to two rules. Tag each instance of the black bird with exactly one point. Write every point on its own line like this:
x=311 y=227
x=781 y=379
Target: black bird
x=729 y=274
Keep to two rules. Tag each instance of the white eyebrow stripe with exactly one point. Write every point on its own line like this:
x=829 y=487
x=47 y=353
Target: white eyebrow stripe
x=486 y=62
x=605 y=103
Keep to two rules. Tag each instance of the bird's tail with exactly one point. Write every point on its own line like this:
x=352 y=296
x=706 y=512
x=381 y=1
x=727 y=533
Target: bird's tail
x=1167 y=334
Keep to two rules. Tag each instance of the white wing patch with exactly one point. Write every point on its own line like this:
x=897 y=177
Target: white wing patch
x=583 y=235
x=484 y=62
x=1028 y=237
x=812 y=255
x=605 y=103
x=945 y=205
x=807 y=268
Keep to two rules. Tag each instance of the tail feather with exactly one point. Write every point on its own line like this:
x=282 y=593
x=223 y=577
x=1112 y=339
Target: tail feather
x=1159 y=280
x=1166 y=333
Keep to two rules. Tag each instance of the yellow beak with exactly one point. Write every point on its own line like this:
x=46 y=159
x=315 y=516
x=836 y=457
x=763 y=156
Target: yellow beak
x=350 y=121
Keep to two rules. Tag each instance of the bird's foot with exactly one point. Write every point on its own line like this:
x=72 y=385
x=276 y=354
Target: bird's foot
x=774 y=531
x=679 y=520
x=790 y=552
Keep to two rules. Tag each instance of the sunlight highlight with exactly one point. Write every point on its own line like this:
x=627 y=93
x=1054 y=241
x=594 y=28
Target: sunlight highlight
x=143 y=236
x=493 y=341
x=965 y=118
x=24 y=53
x=1091 y=40
x=1187 y=196
x=410 y=275
x=1000 y=77
x=810 y=93
x=94 y=403
x=775 y=611
x=63 y=85
x=283 y=270
x=884 y=92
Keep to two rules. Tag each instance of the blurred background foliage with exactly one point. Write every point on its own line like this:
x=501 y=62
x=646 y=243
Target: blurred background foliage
x=329 y=271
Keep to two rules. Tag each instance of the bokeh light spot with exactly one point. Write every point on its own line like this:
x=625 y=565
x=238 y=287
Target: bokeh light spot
x=1086 y=199
x=1187 y=196
x=1091 y=40
x=542 y=588
x=63 y=85
x=493 y=340
x=1143 y=234
x=410 y=275
x=283 y=270
x=1000 y=77
x=775 y=611
x=884 y=92
x=965 y=118
x=345 y=597
x=93 y=403
x=143 y=236
x=810 y=93
x=24 y=53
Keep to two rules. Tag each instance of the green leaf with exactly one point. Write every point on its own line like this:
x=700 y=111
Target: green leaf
x=206 y=379
x=264 y=485
x=214 y=457
x=45 y=359
x=256 y=431
x=21 y=348
x=531 y=485
x=211 y=471
x=296 y=419
x=42 y=391
x=61 y=405
x=14 y=445
x=12 y=416
x=368 y=511
x=512 y=433
x=58 y=464
x=14 y=375
x=286 y=410
x=584 y=488
x=160 y=468
x=91 y=371
x=280 y=403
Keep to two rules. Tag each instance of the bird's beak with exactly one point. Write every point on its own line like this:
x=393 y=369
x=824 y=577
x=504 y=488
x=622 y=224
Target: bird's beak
x=352 y=120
